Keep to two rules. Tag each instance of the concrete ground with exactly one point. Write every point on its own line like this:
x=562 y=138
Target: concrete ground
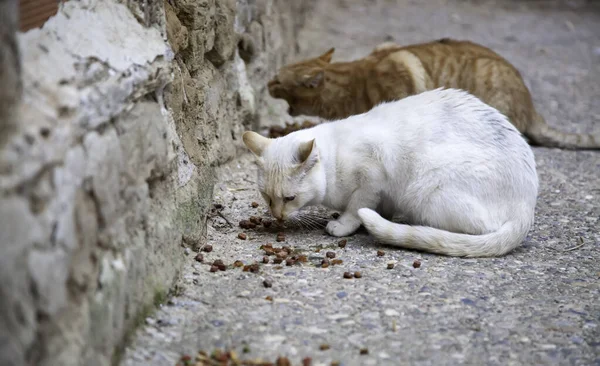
x=537 y=305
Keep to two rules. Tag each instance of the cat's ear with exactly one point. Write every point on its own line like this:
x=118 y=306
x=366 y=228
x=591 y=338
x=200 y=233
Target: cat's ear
x=314 y=80
x=255 y=142
x=327 y=55
x=308 y=154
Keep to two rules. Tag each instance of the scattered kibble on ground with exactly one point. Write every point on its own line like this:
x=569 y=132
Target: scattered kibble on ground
x=380 y=253
x=364 y=351
x=242 y=236
x=390 y=265
x=324 y=347
x=330 y=254
x=199 y=258
x=207 y=248
x=417 y=263
x=279 y=131
x=342 y=243
x=254 y=204
x=348 y=275
x=357 y=274
x=268 y=283
x=306 y=361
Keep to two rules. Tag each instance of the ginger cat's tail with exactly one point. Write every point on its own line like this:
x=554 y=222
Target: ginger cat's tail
x=542 y=134
x=433 y=240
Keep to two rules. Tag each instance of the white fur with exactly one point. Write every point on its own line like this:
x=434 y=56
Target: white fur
x=448 y=163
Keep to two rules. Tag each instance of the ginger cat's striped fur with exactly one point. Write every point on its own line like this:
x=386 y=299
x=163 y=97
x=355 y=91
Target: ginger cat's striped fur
x=317 y=87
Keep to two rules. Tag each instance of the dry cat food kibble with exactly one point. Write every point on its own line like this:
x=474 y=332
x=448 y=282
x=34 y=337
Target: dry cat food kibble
x=290 y=262
x=265 y=260
x=269 y=298
x=417 y=263
x=254 y=204
x=325 y=261
x=348 y=275
x=282 y=361
x=390 y=266
x=324 y=347
x=242 y=236
x=380 y=253
x=330 y=254
x=238 y=263
x=246 y=224
x=307 y=361
x=342 y=243
x=364 y=351
x=254 y=268
x=302 y=259
x=266 y=223
x=277 y=260
x=267 y=283
x=207 y=248
x=280 y=237
x=214 y=268
x=337 y=262
x=199 y=258
x=255 y=220
x=357 y=274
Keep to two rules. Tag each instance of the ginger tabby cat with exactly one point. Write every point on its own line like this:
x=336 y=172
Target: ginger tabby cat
x=317 y=87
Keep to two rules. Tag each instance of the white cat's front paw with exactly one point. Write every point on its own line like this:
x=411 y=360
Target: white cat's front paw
x=337 y=228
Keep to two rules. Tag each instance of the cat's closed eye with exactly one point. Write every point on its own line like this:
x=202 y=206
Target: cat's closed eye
x=289 y=198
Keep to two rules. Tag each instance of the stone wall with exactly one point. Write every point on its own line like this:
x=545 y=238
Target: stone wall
x=127 y=108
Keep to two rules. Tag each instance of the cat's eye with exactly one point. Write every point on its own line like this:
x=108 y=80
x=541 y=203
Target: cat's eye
x=289 y=198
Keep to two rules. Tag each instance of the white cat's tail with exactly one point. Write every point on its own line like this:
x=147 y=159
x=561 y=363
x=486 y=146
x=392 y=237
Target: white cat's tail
x=433 y=240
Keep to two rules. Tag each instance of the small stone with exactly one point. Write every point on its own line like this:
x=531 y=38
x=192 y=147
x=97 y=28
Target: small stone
x=187 y=251
x=364 y=351
x=199 y=257
x=390 y=265
x=254 y=204
x=324 y=347
x=357 y=274
x=207 y=248
x=267 y=283
x=417 y=263
x=238 y=263
x=266 y=223
x=265 y=259
x=348 y=275
x=214 y=268
x=330 y=254
x=342 y=243
x=242 y=236
x=307 y=361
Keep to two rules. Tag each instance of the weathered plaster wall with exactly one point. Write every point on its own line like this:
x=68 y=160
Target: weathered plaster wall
x=127 y=108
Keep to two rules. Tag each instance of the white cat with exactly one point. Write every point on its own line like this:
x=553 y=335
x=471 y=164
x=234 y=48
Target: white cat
x=443 y=159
